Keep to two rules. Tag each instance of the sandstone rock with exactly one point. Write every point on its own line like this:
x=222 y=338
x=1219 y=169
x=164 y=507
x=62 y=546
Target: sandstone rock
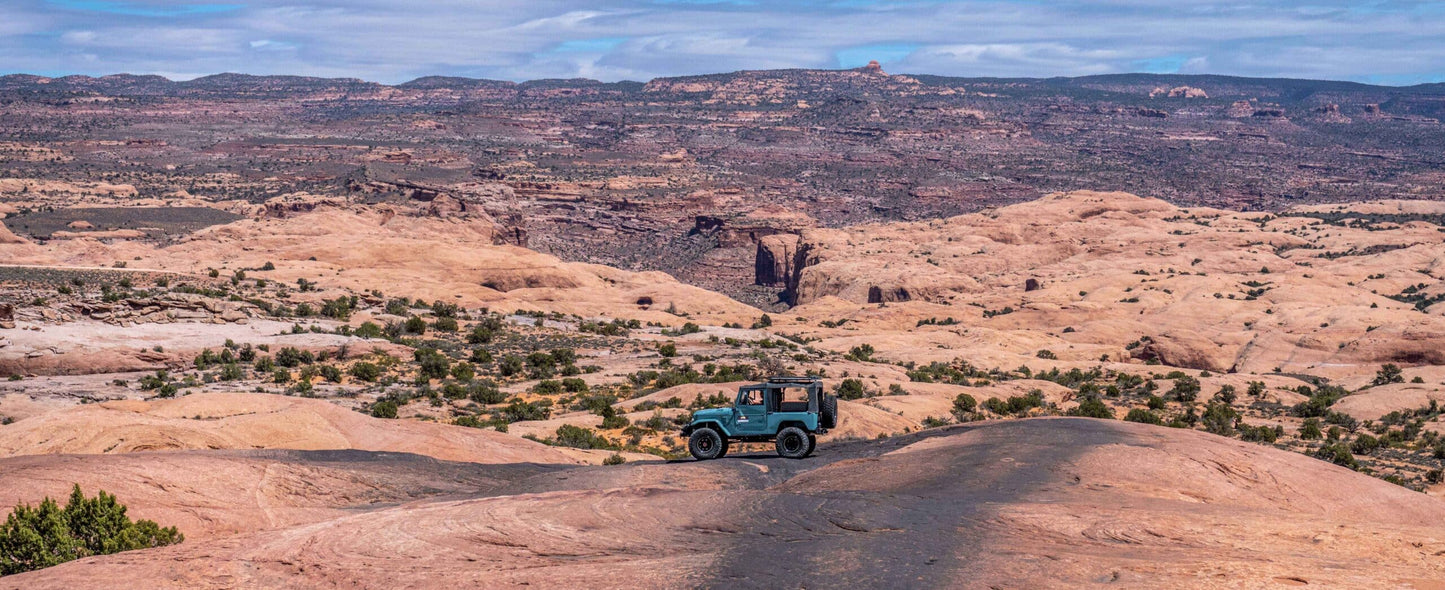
x=6 y=237
x=774 y=261
x=1187 y=350
x=1241 y=109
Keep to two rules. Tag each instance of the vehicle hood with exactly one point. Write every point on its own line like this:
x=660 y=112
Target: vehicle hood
x=718 y=414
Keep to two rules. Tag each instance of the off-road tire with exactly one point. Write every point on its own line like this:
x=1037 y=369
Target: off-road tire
x=828 y=411
x=792 y=443
x=706 y=443
x=812 y=444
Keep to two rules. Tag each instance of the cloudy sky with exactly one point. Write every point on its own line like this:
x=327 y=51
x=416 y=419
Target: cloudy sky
x=1385 y=42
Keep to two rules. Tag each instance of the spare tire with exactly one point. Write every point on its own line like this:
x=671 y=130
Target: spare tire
x=828 y=411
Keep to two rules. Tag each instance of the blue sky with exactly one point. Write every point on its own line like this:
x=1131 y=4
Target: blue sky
x=1386 y=41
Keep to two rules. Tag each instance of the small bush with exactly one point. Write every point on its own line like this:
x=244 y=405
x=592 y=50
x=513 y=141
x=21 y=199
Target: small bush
x=1143 y=416
x=1310 y=430
x=433 y=364
x=47 y=535
x=964 y=407
x=851 y=389
x=581 y=438
x=384 y=409
x=1186 y=389
x=1091 y=407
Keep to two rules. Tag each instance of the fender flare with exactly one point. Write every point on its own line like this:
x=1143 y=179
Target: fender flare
x=687 y=430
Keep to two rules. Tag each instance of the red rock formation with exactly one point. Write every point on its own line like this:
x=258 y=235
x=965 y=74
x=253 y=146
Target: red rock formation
x=774 y=262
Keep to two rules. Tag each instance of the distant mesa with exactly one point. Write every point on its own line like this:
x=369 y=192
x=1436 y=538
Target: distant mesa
x=873 y=67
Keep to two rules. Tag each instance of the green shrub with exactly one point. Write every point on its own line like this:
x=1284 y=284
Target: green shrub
x=486 y=392
x=614 y=459
x=614 y=421
x=518 y=410
x=339 y=308
x=563 y=356
x=291 y=357
x=1266 y=434
x=463 y=372
x=862 y=353
x=47 y=535
x=581 y=438
x=851 y=389
x=365 y=371
x=1318 y=405
x=1226 y=394
x=1092 y=407
x=1143 y=416
x=1219 y=419
x=1389 y=373
x=384 y=409
x=1339 y=454
x=964 y=407
x=1017 y=405
x=1364 y=444
x=511 y=365
x=433 y=364
x=232 y=372
x=1186 y=388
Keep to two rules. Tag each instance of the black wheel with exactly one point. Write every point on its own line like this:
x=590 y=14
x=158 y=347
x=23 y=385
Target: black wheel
x=792 y=443
x=828 y=411
x=812 y=444
x=706 y=443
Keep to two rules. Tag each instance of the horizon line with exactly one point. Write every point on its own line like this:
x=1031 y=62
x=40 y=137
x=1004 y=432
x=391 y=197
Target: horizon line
x=182 y=80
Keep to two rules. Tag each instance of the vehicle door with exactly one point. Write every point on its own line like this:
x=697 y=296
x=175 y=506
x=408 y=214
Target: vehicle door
x=787 y=404
x=752 y=411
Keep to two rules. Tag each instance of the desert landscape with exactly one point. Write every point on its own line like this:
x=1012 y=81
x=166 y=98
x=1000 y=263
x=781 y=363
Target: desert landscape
x=1141 y=330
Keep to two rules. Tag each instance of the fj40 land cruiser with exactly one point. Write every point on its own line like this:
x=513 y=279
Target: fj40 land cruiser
x=787 y=411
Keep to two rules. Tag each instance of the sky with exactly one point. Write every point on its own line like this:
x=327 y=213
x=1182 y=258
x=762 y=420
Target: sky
x=391 y=41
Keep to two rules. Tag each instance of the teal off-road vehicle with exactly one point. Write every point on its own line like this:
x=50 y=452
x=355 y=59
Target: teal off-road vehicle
x=787 y=411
